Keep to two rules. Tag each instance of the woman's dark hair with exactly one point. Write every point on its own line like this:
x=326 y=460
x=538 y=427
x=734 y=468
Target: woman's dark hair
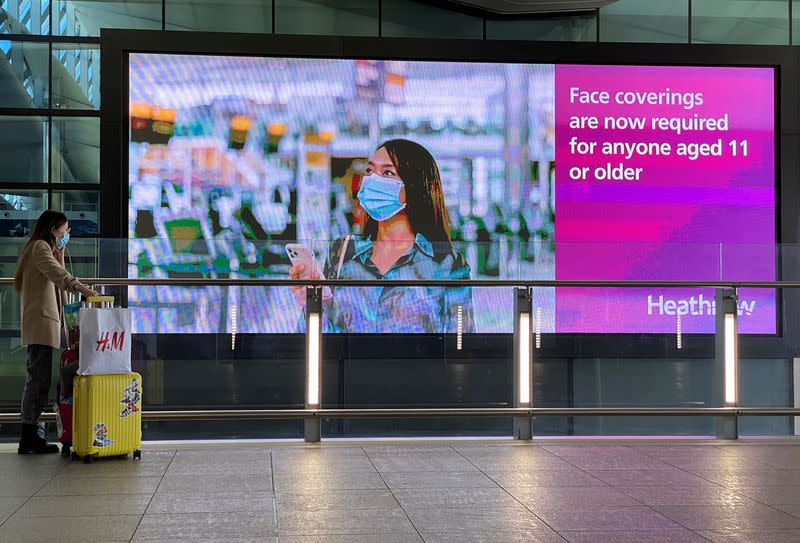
x=425 y=205
x=47 y=222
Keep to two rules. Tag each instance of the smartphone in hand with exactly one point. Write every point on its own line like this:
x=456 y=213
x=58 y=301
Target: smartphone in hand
x=300 y=254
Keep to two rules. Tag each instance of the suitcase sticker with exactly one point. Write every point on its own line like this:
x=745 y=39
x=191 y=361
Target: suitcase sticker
x=131 y=396
x=101 y=436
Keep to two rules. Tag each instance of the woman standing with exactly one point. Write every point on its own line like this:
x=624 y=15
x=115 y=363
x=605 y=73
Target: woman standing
x=407 y=237
x=41 y=280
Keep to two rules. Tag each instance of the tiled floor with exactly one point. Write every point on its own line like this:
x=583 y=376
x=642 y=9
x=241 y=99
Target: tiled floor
x=547 y=492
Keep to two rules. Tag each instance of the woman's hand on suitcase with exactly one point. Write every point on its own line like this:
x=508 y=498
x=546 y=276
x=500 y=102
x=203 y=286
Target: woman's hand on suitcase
x=86 y=291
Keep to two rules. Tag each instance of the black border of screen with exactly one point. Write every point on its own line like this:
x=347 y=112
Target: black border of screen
x=117 y=44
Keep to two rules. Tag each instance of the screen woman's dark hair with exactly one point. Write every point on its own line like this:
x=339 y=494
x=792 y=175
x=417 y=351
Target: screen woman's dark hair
x=425 y=205
x=45 y=225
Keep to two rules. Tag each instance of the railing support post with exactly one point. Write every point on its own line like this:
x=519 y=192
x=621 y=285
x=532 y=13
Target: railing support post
x=726 y=361
x=312 y=425
x=523 y=362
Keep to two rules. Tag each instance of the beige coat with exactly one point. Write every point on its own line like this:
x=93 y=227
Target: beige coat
x=44 y=281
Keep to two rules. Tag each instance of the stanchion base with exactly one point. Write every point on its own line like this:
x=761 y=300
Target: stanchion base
x=727 y=427
x=523 y=428
x=312 y=430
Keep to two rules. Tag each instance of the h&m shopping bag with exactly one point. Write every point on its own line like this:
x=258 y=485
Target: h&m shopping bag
x=105 y=346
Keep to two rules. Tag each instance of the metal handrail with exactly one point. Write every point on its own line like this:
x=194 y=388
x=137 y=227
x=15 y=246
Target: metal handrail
x=433 y=412
x=531 y=283
x=313 y=416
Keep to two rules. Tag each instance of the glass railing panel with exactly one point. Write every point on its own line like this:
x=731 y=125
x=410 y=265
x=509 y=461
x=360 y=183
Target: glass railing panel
x=613 y=352
x=766 y=376
x=12 y=371
x=264 y=366
x=415 y=346
x=420 y=357
x=9 y=309
x=217 y=347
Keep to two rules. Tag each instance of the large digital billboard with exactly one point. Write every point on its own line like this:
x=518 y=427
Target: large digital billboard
x=369 y=169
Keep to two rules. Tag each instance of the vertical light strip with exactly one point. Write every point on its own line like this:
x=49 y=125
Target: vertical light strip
x=538 y=327
x=460 y=326
x=524 y=361
x=312 y=390
x=678 y=334
x=234 y=327
x=730 y=360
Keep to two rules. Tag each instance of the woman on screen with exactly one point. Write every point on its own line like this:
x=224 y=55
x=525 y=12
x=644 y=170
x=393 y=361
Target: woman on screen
x=406 y=237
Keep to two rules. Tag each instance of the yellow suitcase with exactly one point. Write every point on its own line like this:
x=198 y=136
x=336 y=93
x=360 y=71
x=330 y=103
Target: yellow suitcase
x=107 y=415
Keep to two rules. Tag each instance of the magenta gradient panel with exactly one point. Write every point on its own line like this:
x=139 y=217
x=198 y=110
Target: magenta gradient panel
x=710 y=218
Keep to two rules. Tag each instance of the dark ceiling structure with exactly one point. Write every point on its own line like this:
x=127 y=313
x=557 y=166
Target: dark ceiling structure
x=528 y=7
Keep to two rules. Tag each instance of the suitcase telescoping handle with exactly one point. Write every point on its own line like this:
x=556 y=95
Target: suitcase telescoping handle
x=104 y=302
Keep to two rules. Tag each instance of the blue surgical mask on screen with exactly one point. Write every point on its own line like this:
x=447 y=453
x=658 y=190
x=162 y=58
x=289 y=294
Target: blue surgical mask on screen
x=380 y=196
x=62 y=241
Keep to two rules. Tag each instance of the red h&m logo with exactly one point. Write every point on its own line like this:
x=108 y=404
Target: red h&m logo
x=117 y=339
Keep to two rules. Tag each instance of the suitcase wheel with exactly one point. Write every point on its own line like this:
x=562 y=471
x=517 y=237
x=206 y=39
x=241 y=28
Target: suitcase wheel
x=137 y=454
x=75 y=456
x=65 y=450
x=88 y=459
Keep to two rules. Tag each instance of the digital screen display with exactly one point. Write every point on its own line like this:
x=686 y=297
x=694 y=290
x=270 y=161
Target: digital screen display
x=261 y=167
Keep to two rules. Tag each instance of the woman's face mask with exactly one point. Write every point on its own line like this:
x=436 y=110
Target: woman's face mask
x=63 y=240
x=380 y=196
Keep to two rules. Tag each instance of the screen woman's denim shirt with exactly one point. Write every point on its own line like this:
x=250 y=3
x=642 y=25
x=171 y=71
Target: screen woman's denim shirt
x=396 y=309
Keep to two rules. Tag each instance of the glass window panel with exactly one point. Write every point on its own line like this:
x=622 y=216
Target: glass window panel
x=795 y=22
x=76 y=76
x=76 y=150
x=82 y=208
x=666 y=21
x=86 y=18
x=25 y=17
x=23 y=149
x=756 y=22
x=23 y=79
x=220 y=16
x=19 y=210
x=562 y=28
x=330 y=17
x=407 y=18
x=80 y=260
x=82 y=255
